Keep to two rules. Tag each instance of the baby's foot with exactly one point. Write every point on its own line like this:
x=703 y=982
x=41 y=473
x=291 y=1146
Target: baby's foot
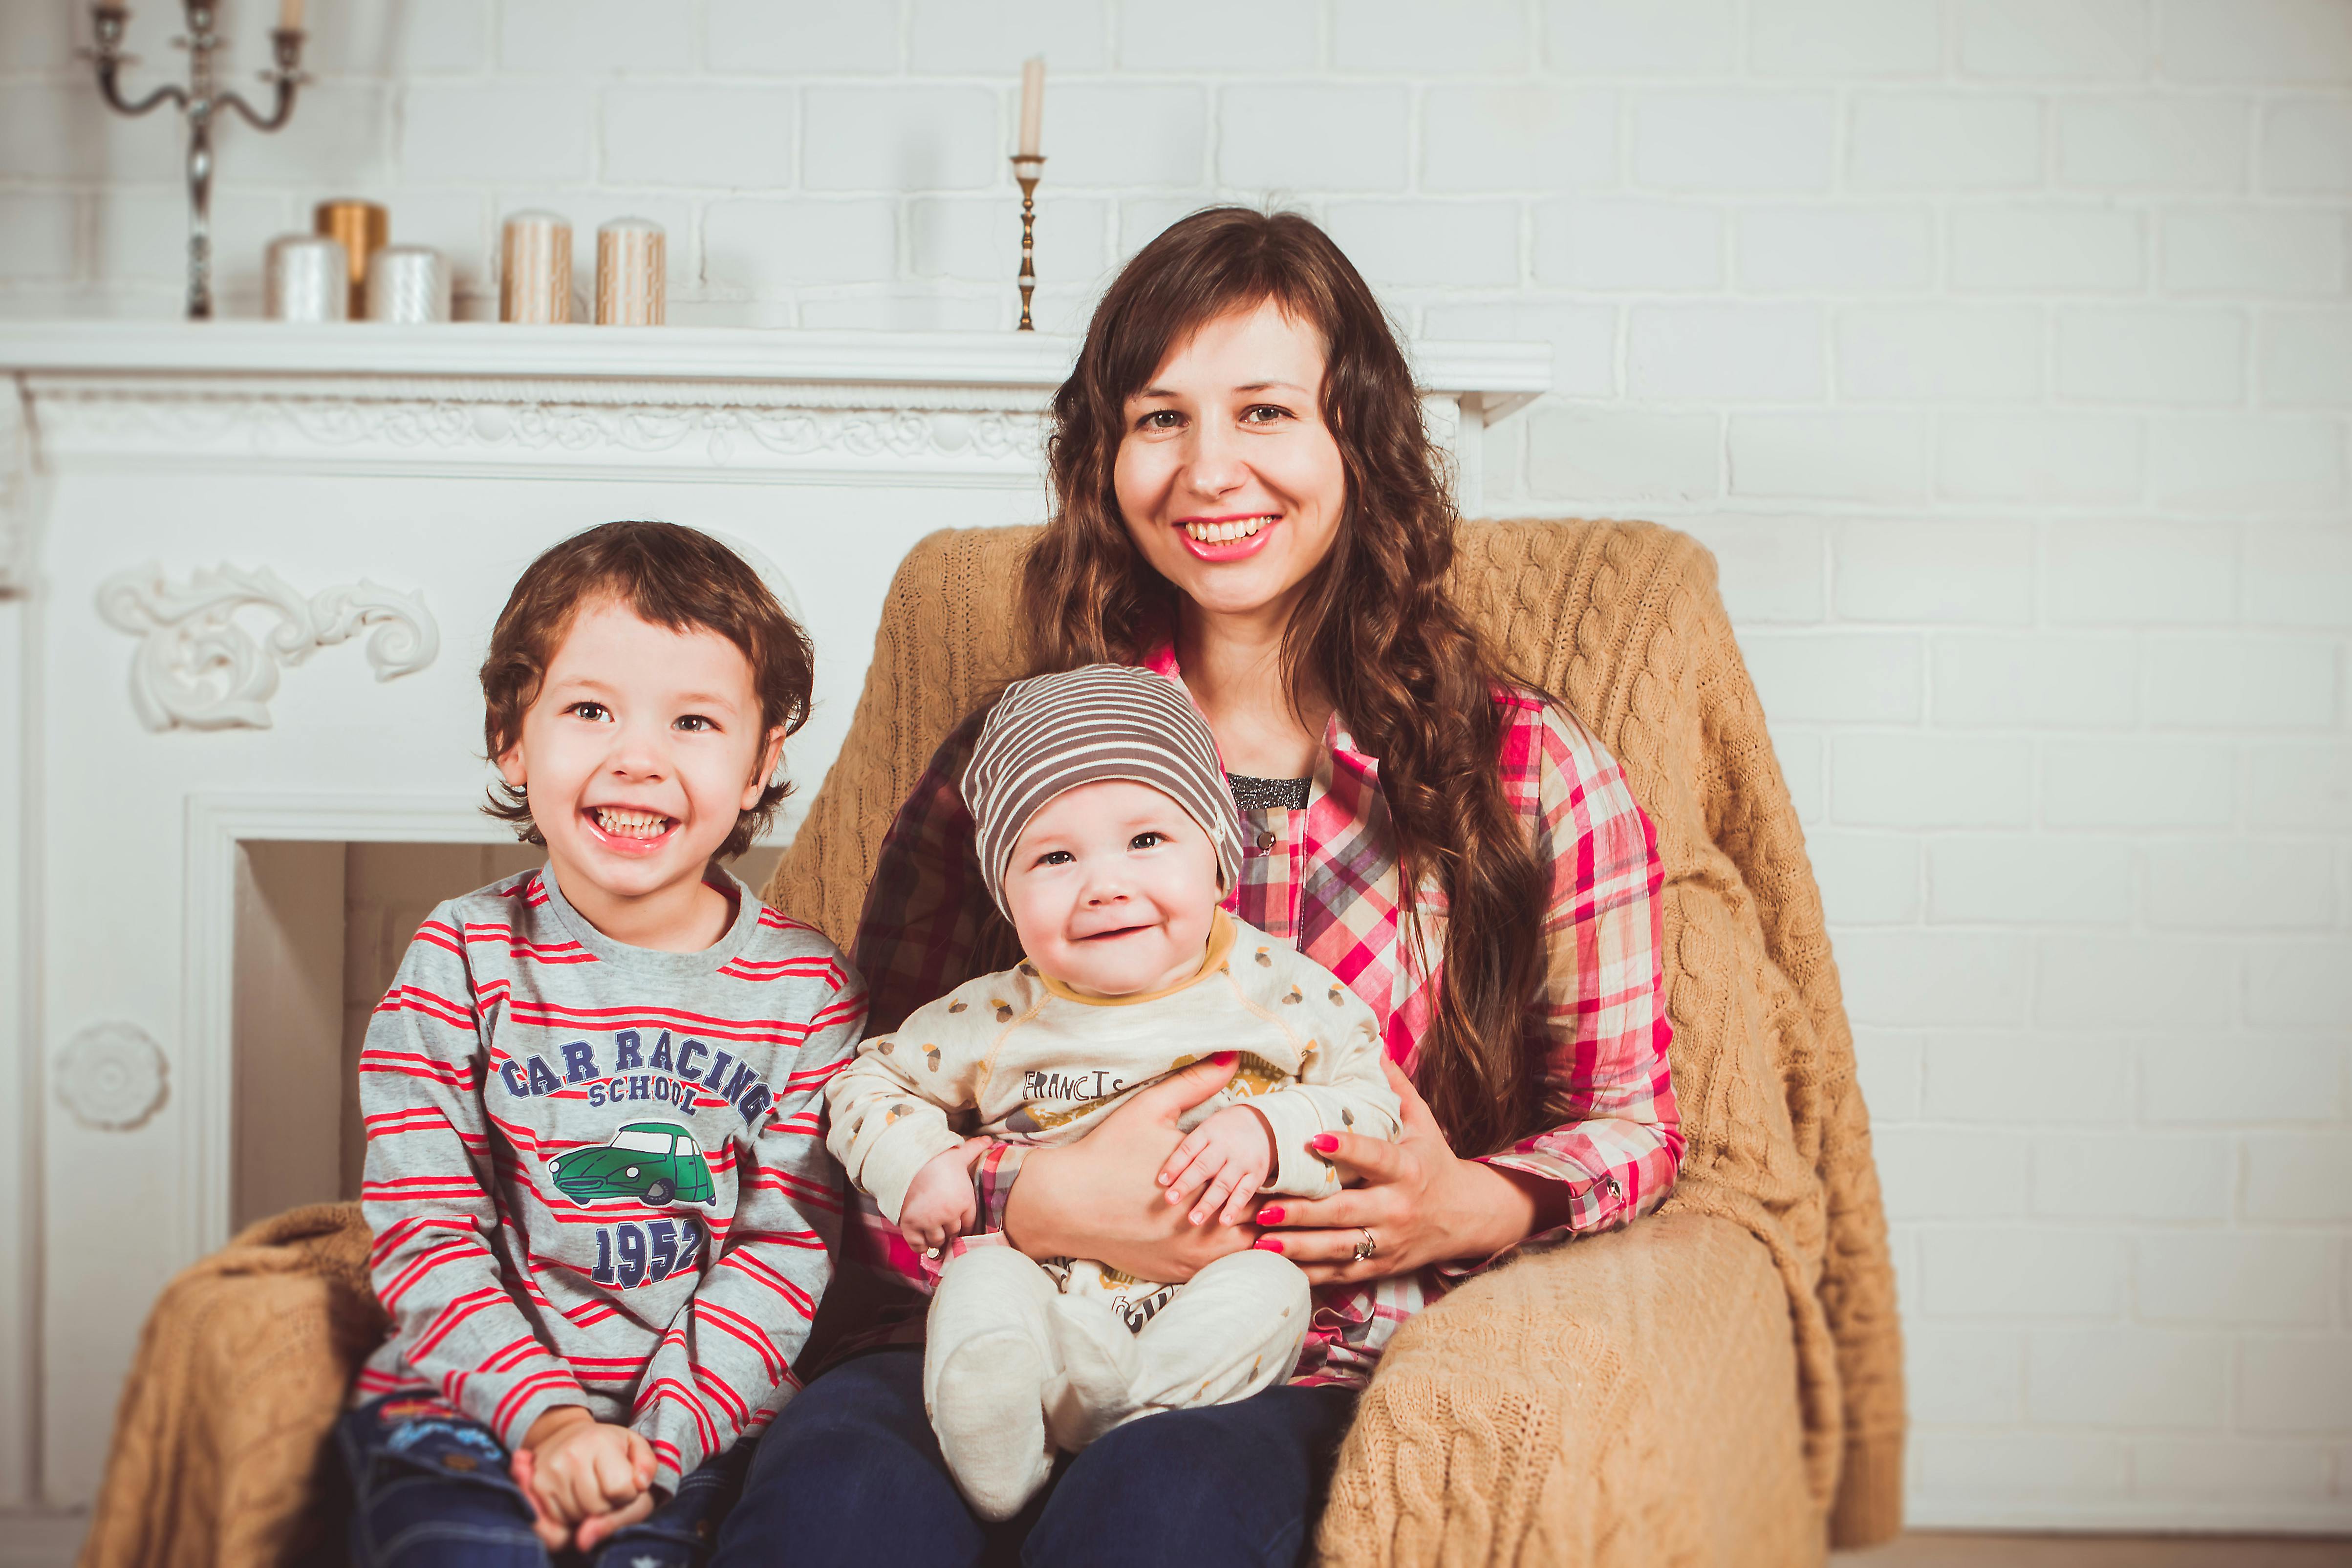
x=1096 y=1390
x=988 y=1411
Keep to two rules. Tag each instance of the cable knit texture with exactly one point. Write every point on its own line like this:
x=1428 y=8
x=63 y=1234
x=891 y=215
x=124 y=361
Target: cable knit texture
x=1719 y=1384
x=220 y=1453
x=1636 y=1398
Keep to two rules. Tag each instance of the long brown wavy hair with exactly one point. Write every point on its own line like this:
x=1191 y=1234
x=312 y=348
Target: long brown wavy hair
x=1375 y=631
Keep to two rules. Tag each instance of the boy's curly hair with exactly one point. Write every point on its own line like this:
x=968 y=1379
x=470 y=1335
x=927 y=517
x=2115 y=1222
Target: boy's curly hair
x=669 y=575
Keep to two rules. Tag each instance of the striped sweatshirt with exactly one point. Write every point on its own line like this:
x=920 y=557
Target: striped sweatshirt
x=596 y=1173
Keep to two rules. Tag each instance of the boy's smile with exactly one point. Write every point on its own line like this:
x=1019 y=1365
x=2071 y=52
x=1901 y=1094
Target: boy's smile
x=640 y=750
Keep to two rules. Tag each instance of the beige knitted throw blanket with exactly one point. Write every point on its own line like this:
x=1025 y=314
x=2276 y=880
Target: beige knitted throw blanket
x=220 y=1453
x=1671 y=1393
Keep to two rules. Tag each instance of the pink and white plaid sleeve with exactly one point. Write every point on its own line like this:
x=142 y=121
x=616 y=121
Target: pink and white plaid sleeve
x=1618 y=1142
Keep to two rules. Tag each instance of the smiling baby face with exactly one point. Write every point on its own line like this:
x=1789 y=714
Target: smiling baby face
x=1112 y=887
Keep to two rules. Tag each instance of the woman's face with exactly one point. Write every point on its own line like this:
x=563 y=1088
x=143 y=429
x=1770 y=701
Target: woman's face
x=1227 y=475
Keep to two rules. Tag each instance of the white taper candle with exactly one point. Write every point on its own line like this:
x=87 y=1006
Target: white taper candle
x=289 y=16
x=1033 y=103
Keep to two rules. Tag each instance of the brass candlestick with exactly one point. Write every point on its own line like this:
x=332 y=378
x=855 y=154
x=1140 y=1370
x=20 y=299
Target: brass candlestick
x=1025 y=169
x=199 y=100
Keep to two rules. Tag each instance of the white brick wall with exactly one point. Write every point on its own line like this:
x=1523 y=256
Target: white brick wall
x=2000 y=349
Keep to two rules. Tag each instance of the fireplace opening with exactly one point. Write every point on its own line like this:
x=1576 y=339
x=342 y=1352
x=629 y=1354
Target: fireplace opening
x=321 y=927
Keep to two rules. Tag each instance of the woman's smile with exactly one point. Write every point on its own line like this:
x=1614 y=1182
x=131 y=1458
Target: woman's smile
x=1228 y=537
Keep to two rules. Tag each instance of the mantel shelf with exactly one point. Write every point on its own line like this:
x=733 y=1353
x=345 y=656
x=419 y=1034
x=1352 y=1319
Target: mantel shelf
x=686 y=404
x=1492 y=379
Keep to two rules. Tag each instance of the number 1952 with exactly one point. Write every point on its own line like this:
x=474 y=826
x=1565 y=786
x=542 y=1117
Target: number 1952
x=630 y=1255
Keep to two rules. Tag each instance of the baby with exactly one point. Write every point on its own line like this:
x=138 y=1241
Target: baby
x=1105 y=833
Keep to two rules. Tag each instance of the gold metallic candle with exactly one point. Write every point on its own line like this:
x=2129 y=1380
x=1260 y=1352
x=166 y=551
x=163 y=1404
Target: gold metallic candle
x=365 y=228
x=535 y=268
x=632 y=283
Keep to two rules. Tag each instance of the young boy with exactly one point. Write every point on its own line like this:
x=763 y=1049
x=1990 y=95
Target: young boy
x=1105 y=831
x=602 y=1209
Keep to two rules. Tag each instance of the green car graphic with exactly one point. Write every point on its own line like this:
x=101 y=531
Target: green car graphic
x=651 y=1161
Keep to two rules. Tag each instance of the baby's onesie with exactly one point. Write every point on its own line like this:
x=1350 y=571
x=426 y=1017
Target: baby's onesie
x=1020 y=1056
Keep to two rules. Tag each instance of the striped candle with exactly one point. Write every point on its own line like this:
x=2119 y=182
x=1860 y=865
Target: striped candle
x=535 y=268
x=632 y=278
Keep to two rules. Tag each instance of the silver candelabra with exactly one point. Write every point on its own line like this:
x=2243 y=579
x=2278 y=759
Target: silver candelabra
x=199 y=100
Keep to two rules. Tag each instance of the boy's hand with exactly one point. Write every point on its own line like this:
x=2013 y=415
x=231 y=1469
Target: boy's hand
x=556 y=1537
x=939 y=1205
x=1228 y=1155
x=596 y=1527
x=578 y=1467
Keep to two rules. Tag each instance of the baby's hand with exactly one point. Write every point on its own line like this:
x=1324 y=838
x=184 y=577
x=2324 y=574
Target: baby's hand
x=1229 y=1154
x=574 y=1468
x=939 y=1205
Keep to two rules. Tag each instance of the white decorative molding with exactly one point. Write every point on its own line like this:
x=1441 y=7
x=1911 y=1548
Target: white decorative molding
x=470 y=425
x=18 y=478
x=111 y=1076
x=960 y=408
x=1499 y=374
x=196 y=668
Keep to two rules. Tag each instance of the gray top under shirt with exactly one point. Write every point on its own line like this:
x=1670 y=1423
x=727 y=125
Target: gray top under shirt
x=1254 y=794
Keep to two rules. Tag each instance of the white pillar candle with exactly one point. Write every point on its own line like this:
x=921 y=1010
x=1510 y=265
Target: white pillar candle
x=308 y=279
x=1033 y=103
x=289 y=16
x=407 y=283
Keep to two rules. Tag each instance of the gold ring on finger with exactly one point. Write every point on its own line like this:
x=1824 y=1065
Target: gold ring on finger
x=1366 y=1245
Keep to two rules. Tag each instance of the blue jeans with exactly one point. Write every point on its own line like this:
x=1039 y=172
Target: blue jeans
x=850 y=1474
x=430 y=1489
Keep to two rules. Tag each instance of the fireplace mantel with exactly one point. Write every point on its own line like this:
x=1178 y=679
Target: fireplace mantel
x=724 y=404
x=1508 y=373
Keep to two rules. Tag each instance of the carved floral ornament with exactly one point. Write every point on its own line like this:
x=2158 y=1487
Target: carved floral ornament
x=111 y=1076
x=197 y=668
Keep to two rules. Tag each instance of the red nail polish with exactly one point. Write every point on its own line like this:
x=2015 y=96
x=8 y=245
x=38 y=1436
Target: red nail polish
x=1266 y=1244
x=1225 y=1057
x=1324 y=1143
x=1269 y=1214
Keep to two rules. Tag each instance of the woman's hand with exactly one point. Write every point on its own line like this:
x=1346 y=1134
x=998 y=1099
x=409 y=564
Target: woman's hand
x=1100 y=1198
x=1421 y=1205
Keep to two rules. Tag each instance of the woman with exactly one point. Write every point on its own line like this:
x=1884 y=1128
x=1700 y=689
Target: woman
x=1248 y=503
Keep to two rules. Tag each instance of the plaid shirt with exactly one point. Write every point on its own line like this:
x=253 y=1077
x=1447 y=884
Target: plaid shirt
x=1325 y=880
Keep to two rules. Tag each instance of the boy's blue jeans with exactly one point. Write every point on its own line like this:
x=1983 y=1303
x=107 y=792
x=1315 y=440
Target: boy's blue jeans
x=430 y=1488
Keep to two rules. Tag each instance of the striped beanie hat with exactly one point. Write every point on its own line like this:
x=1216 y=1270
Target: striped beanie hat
x=1050 y=734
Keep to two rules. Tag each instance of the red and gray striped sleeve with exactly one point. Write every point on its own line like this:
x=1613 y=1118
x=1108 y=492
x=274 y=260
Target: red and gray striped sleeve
x=427 y=1196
